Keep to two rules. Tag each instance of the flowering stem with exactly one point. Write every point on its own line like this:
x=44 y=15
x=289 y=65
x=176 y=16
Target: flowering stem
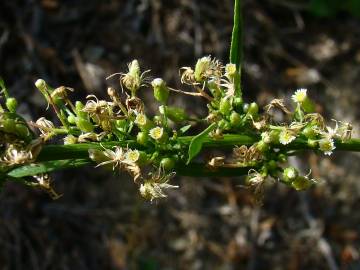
x=58 y=157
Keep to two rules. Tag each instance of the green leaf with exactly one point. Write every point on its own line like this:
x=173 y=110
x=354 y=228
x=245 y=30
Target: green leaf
x=184 y=129
x=197 y=142
x=237 y=36
x=47 y=166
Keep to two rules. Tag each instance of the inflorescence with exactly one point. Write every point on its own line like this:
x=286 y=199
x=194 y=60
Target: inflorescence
x=153 y=147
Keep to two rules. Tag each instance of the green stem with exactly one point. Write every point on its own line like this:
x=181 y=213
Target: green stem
x=58 y=157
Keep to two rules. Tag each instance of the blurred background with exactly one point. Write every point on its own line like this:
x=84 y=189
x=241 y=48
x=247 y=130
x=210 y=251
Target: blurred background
x=101 y=222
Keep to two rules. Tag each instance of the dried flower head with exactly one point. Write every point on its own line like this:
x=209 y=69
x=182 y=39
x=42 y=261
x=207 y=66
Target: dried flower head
x=45 y=126
x=96 y=107
x=15 y=156
x=115 y=157
x=154 y=187
x=206 y=68
x=134 y=79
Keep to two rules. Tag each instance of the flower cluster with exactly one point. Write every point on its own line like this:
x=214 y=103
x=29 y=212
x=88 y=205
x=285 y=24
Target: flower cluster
x=151 y=147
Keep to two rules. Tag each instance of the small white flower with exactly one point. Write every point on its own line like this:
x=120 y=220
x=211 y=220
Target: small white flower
x=299 y=96
x=265 y=136
x=156 y=133
x=132 y=156
x=286 y=136
x=327 y=145
x=140 y=119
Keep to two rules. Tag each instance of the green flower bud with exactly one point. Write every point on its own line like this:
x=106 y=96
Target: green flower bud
x=290 y=174
x=23 y=131
x=157 y=119
x=142 y=138
x=272 y=165
x=253 y=109
x=214 y=88
x=79 y=106
x=84 y=124
x=41 y=85
x=176 y=114
x=302 y=183
x=201 y=68
x=224 y=125
x=262 y=146
x=274 y=136
x=245 y=107
x=9 y=125
x=238 y=104
x=312 y=143
x=167 y=163
x=121 y=125
x=225 y=106
x=309 y=132
x=71 y=119
x=161 y=91
x=11 y=104
x=235 y=119
x=143 y=122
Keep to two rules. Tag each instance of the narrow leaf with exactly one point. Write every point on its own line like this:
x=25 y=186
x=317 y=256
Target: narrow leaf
x=197 y=142
x=237 y=37
x=45 y=167
x=184 y=129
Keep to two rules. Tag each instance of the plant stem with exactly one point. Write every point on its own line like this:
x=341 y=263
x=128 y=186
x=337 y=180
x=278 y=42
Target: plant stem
x=58 y=157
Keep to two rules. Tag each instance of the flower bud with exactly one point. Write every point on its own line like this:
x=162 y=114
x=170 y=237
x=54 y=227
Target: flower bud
x=262 y=146
x=167 y=163
x=84 y=124
x=161 y=92
x=40 y=84
x=238 y=102
x=224 y=125
x=201 y=68
x=71 y=119
x=302 y=183
x=143 y=122
x=312 y=143
x=11 y=104
x=142 y=138
x=225 y=106
x=290 y=174
x=253 y=109
x=235 y=119
x=176 y=114
x=309 y=132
